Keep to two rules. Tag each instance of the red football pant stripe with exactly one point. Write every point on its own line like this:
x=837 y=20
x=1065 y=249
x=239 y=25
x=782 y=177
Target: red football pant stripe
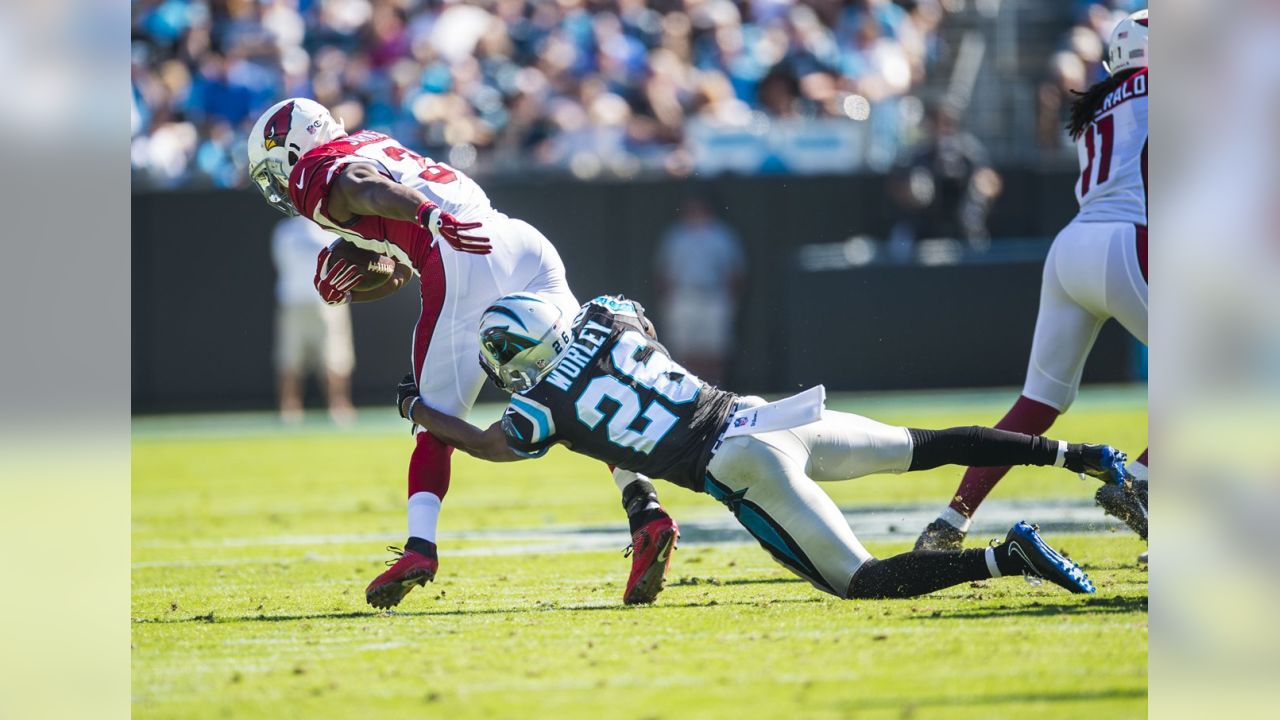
x=1142 y=249
x=429 y=466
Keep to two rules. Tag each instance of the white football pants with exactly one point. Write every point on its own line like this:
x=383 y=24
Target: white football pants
x=523 y=260
x=768 y=481
x=1092 y=274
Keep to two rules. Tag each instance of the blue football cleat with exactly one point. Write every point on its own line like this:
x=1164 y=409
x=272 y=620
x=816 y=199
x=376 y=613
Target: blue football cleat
x=1041 y=561
x=1105 y=463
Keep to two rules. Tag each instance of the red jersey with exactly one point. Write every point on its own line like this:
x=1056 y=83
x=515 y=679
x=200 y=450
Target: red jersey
x=408 y=242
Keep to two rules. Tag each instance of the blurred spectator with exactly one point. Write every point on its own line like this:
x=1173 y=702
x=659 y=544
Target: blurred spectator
x=587 y=86
x=945 y=186
x=701 y=271
x=310 y=335
x=1076 y=65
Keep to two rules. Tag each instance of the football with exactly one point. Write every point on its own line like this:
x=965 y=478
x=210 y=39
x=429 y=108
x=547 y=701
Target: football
x=376 y=267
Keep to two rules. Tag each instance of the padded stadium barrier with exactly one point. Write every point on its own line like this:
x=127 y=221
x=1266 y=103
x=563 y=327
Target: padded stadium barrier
x=203 y=287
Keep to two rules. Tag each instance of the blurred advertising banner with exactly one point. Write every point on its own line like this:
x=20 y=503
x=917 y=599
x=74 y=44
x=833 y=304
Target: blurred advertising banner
x=773 y=145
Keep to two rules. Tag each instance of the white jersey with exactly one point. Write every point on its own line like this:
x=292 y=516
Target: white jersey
x=1113 y=157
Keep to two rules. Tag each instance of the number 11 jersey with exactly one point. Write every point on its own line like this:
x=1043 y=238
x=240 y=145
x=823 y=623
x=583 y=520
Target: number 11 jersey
x=1113 y=157
x=617 y=396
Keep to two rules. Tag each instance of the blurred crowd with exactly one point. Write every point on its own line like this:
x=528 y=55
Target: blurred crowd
x=512 y=85
x=1076 y=65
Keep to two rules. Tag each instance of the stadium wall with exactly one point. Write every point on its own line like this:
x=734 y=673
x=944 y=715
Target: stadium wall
x=203 y=285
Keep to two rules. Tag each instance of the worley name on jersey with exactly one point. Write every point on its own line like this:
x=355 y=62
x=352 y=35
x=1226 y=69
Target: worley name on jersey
x=591 y=336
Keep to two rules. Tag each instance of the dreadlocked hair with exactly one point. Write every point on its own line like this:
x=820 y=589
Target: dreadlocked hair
x=1087 y=103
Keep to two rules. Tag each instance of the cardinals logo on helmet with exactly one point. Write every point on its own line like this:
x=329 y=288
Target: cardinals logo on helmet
x=277 y=128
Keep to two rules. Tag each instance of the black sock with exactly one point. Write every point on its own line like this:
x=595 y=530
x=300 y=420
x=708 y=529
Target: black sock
x=1074 y=460
x=918 y=572
x=421 y=546
x=977 y=446
x=1008 y=563
x=640 y=500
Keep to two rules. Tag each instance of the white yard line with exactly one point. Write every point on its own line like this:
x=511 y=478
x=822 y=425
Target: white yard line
x=899 y=522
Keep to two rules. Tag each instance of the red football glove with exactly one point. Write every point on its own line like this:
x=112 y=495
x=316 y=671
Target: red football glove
x=335 y=286
x=444 y=226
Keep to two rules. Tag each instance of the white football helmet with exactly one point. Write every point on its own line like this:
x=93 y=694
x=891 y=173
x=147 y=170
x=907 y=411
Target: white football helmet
x=1127 y=49
x=282 y=134
x=522 y=338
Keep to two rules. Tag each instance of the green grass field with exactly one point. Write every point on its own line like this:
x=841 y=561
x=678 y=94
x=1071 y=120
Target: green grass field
x=252 y=546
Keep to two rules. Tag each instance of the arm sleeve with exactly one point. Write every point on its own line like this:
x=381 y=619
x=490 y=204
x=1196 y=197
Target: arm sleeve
x=313 y=177
x=529 y=427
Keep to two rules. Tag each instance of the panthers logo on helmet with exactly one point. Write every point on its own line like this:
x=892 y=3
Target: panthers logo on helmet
x=277 y=128
x=502 y=344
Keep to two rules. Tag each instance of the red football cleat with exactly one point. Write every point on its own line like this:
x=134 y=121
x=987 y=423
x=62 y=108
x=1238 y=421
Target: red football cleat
x=650 y=552
x=389 y=588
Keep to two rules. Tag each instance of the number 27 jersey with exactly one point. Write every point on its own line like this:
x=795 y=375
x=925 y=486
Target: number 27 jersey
x=617 y=396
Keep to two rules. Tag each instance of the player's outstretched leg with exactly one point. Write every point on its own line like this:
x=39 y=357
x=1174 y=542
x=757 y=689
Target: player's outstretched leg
x=923 y=571
x=984 y=448
x=978 y=446
x=653 y=538
x=949 y=530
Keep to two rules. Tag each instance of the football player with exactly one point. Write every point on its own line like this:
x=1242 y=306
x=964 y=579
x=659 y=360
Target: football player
x=603 y=385
x=437 y=223
x=1096 y=270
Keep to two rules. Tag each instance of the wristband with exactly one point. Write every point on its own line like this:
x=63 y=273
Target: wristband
x=424 y=213
x=408 y=413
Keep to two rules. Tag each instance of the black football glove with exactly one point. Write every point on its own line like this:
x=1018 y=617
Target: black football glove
x=408 y=388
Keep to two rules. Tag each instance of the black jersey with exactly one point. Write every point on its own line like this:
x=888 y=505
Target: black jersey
x=617 y=396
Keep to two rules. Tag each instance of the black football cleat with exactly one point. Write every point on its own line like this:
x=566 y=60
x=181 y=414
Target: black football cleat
x=1127 y=503
x=940 y=535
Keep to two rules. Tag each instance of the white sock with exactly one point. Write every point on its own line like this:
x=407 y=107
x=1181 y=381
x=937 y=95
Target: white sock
x=1062 y=454
x=955 y=519
x=424 y=512
x=623 y=478
x=992 y=567
x=1138 y=469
